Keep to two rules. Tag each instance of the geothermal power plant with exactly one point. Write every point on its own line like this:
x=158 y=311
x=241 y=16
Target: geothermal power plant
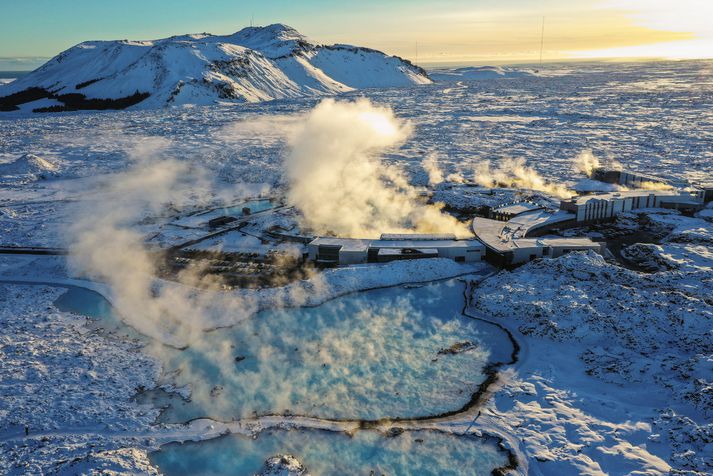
x=513 y=233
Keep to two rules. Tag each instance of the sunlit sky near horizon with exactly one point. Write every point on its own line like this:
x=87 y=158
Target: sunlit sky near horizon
x=454 y=31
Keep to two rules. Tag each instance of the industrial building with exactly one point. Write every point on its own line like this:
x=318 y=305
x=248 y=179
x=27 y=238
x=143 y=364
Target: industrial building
x=630 y=179
x=513 y=232
x=707 y=189
x=639 y=180
x=604 y=206
x=344 y=251
x=510 y=243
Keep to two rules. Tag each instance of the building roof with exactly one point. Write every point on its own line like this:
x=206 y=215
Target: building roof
x=347 y=244
x=418 y=236
x=491 y=232
x=425 y=243
x=499 y=236
x=353 y=244
x=539 y=218
x=581 y=200
x=517 y=208
x=583 y=242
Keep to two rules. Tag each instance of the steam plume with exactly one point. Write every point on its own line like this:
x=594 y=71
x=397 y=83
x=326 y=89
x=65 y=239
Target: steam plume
x=585 y=163
x=514 y=173
x=653 y=186
x=339 y=183
x=107 y=245
x=430 y=165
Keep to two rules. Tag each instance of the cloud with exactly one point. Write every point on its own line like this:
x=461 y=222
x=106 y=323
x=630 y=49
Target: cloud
x=691 y=16
x=21 y=63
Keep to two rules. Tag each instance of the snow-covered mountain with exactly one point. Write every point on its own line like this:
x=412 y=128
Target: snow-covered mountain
x=254 y=64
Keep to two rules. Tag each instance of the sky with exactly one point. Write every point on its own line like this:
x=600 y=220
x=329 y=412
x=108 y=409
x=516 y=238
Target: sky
x=427 y=31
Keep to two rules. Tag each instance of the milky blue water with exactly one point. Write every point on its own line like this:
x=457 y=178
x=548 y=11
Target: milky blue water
x=85 y=302
x=367 y=355
x=370 y=355
x=255 y=206
x=89 y=303
x=327 y=453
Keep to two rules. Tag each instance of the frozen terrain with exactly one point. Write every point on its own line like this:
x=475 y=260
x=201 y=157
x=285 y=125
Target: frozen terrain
x=68 y=387
x=614 y=369
x=478 y=72
x=624 y=372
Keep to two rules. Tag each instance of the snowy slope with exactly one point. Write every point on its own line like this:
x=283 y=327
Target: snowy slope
x=472 y=73
x=254 y=64
x=28 y=164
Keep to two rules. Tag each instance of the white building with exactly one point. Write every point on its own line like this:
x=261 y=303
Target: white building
x=639 y=180
x=344 y=251
x=327 y=250
x=603 y=206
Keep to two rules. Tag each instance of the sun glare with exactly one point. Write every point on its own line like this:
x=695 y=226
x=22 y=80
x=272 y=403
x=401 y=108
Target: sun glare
x=687 y=17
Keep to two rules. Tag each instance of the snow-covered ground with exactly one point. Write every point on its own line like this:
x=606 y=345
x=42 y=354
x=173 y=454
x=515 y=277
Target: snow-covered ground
x=472 y=73
x=617 y=372
x=614 y=372
x=68 y=387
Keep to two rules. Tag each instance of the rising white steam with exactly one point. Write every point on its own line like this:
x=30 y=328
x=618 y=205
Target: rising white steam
x=433 y=169
x=585 y=163
x=653 y=186
x=515 y=173
x=339 y=183
x=106 y=244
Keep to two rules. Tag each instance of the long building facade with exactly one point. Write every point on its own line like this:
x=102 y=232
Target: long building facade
x=605 y=206
x=330 y=251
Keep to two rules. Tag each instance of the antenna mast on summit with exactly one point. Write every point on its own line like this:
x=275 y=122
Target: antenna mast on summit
x=252 y=20
x=416 y=62
x=542 y=40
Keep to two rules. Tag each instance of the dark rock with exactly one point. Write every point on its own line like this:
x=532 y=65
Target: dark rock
x=458 y=348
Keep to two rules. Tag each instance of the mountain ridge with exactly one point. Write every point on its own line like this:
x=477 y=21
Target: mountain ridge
x=251 y=65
